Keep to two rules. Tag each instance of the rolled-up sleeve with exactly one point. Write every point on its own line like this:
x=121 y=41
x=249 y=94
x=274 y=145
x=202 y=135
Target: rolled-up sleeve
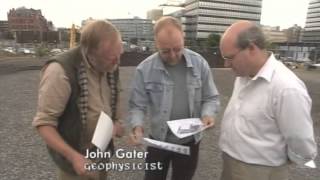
x=54 y=93
x=138 y=101
x=210 y=95
x=296 y=125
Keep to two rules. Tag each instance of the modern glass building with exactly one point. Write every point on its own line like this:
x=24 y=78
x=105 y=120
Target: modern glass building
x=203 y=17
x=312 y=28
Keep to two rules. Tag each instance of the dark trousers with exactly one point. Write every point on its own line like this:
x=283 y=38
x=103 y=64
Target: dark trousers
x=183 y=166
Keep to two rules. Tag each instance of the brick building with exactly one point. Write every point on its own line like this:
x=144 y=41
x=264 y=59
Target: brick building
x=23 y=19
x=30 y=26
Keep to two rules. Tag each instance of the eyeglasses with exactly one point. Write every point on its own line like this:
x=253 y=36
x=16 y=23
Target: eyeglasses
x=231 y=57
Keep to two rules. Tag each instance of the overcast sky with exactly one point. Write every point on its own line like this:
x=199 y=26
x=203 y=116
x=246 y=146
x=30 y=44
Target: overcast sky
x=63 y=13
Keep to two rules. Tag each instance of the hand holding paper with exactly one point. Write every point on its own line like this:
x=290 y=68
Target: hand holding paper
x=186 y=127
x=207 y=121
x=136 y=136
x=103 y=132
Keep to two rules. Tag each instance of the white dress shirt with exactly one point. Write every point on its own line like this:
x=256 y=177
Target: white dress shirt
x=268 y=118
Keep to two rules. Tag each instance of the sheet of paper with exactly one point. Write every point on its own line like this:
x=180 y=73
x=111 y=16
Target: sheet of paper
x=103 y=132
x=310 y=164
x=186 y=127
x=167 y=146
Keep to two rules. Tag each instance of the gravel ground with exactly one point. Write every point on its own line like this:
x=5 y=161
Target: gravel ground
x=23 y=154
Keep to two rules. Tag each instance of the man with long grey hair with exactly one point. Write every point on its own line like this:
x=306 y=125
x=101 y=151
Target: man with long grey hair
x=75 y=87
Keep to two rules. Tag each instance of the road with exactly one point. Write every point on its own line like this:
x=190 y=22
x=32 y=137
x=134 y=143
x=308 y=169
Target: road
x=23 y=154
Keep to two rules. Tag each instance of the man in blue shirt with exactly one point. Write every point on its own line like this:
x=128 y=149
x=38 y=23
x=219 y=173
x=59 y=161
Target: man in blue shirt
x=174 y=83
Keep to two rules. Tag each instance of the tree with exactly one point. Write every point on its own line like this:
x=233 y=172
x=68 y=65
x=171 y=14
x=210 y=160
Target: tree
x=314 y=54
x=134 y=41
x=213 y=40
x=271 y=46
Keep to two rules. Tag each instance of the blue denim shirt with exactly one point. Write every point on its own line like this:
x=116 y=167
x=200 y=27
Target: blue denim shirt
x=152 y=89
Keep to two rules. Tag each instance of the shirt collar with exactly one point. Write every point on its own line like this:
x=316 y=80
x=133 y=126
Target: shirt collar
x=85 y=58
x=267 y=70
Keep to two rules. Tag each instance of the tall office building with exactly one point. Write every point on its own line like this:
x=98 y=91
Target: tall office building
x=134 y=28
x=312 y=28
x=203 y=17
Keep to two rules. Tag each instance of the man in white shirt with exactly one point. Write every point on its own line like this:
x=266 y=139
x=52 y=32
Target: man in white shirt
x=267 y=123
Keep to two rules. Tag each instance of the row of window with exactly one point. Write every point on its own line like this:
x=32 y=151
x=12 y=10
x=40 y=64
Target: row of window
x=313 y=15
x=314 y=5
x=295 y=48
x=135 y=32
x=209 y=20
x=24 y=27
x=228 y=14
x=140 y=28
x=310 y=39
x=131 y=22
x=312 y=28
x=317 y=24
x=311 y=33
x=24 y=21
x=275 y=34
x=216 y=20
x=230 y=7
x=314 y=1
x=223 y=7
x=313 y=10
x=247 y=2
x=22 y=15
x=312 y=20
x=206 y=27
x=135 y=27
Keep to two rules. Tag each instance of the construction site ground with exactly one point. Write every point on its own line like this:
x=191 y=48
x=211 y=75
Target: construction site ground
x=23 y=154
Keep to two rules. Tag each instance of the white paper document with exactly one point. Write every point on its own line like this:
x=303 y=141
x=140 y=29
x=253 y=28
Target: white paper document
x=186 y=127
x=167 y=146
x=103 y=132
x=310 y=164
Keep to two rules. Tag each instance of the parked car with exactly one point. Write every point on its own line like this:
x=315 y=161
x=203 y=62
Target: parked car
x=10 y=50
x=309 y=66
x=24 y=51
x=55 y=51
x=291 y=65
